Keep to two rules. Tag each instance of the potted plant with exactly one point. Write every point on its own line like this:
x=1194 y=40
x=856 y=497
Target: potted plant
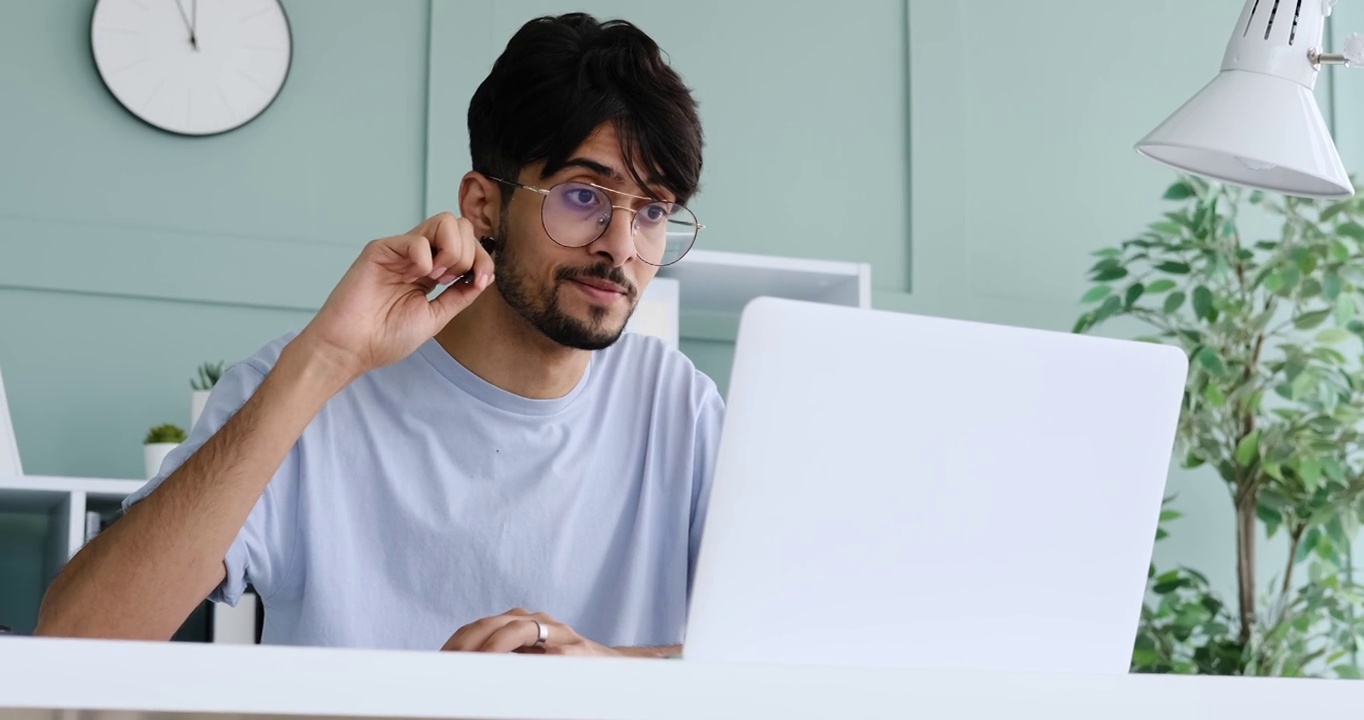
x=160 y=441
x=201 y=385
x=1272 y=409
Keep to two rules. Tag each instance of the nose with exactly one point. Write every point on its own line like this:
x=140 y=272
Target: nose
x=618 y=242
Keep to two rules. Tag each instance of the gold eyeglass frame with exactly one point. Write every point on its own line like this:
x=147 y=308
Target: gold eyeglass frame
x=697 y=226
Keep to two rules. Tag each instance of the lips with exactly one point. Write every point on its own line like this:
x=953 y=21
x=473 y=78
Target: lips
x=603 y=285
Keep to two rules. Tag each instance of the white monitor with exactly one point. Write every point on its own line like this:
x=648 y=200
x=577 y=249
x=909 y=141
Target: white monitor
x=895 y=490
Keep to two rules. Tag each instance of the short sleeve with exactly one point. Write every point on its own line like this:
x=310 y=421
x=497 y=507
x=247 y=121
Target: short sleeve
x=709 y=421
x=260 y=554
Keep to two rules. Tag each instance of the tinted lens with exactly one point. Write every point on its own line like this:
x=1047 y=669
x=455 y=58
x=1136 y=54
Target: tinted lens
x=575 y=214
x=664 y=232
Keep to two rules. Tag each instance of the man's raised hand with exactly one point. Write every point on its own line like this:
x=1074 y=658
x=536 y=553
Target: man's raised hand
x=380 y=311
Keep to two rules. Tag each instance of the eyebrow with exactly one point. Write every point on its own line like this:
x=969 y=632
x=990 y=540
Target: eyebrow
x=605 y=171
x=611 y=173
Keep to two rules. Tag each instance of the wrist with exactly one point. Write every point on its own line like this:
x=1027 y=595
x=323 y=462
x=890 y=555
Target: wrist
x=317 y=367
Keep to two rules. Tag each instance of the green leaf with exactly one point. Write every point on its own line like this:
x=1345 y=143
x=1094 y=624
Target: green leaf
x=1169 y=586
x=1168 y=515
x=1270 y=517
x=1106 y=263
x=1202 y=303
x=1274 y=283
x=1333 y=469
x=1345 y=309
x=1257 y=197
x=1144 y=657
x=1309 y=543
x=1214 y=395
x=1310 y=472
x=1173 y=301
x=1109 y=274
x=1347 y=672
x=1083 y=323
x=1174 y=268
x=1160 y=286
x=1179 y=191
x=1248 y=449
x=1168 y=228
x=1134 y=292
x=1110 y=306
x=1336 y=531
x=1307 y=321
x=1096 y=294
x=1339 y=252
x=1332 y=211
x=1351 y=229
x=1208 y=358
x=1331 y=285
x=1107 y=252
x=1331 y=336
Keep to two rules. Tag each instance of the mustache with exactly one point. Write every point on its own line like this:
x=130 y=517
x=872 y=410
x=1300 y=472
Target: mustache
x=598 y=272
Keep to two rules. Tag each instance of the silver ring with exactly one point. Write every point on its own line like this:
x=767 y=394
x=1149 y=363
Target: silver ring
x=544 y=634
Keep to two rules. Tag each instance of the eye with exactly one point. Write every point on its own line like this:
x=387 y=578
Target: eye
x=654 y=214
x=582 y=198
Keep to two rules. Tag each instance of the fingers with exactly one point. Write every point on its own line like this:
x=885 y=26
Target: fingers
x=519 y=633
x=416 y=250
x=453 y=242
x=471 y=637
x=459 y=295
x=513 y=631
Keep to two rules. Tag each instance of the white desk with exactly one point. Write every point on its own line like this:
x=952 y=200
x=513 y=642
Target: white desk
x=44 y=679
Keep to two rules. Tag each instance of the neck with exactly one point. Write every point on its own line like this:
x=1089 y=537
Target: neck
x=495 y=343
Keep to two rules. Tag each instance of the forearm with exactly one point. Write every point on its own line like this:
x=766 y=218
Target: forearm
x=143 y=576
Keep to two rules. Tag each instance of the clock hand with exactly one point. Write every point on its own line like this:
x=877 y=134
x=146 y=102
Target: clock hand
x=192 y=41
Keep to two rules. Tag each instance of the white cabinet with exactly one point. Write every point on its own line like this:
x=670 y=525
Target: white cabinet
x=66 y=502
x=716 y=284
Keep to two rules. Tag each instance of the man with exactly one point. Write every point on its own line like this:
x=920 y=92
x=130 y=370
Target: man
x=404 y=470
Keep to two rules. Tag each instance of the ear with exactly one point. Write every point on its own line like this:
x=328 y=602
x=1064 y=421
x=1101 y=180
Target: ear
x=480 y=202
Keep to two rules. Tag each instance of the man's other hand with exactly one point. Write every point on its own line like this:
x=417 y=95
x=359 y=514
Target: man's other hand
x=519 y=631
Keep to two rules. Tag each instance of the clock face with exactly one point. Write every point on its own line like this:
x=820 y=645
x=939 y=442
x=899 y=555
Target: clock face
x=193 y=67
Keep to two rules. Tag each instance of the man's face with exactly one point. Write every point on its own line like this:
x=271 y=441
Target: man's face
x=579 y=297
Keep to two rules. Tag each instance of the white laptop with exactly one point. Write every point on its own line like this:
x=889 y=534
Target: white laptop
x=895 y=490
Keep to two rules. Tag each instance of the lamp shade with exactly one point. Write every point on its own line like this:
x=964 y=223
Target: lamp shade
x=1257 y=123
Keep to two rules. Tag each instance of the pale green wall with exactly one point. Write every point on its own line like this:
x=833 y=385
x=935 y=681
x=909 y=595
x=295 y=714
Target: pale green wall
x=981 y=177
x=1023 y=119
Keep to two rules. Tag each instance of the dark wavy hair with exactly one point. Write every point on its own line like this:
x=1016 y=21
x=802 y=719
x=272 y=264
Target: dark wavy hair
x=562 y=77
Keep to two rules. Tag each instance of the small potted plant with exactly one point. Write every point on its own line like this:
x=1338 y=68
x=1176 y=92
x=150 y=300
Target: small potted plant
x=202 y=385
x=160 y=441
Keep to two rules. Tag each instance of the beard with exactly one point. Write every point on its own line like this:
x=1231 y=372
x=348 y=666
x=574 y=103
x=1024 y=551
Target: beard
x=540 y=306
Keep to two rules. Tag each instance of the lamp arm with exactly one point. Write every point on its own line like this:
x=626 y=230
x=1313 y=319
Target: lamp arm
x=1351 y=56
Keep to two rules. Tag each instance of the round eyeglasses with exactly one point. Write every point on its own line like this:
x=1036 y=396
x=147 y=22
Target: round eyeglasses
x=575 y=214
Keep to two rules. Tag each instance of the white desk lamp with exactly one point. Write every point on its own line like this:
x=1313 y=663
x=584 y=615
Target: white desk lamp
x=1257 y=123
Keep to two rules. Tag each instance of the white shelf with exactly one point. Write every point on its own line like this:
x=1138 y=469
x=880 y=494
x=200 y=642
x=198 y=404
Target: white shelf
x=27 y=493
x=724 y=282
x=47 y=678
x=65 y=501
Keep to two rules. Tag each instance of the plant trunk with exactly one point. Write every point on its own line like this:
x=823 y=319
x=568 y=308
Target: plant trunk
x=1245 y=562
x=1295 y=541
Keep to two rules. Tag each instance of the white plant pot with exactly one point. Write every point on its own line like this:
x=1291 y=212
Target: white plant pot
x=197 y=401
x=154 y=454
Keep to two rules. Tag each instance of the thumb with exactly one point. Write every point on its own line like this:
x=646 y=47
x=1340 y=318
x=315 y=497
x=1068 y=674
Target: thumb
x=456 y=297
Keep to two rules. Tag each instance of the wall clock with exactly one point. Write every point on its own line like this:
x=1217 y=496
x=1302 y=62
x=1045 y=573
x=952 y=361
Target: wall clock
x=192 y=67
